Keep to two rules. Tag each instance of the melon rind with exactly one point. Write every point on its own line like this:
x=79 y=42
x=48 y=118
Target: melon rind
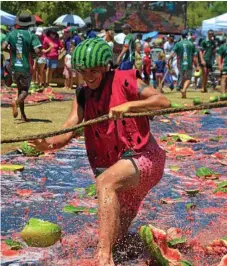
x=39 y=233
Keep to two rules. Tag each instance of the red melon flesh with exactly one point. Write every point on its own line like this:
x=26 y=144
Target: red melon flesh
x=223 y=261
x=156 y=241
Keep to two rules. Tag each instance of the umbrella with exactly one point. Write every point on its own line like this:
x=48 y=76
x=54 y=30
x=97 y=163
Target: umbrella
x=119 y=38
x=70 y=20
x=150 y=35
x=6 y=18
x=38 y=20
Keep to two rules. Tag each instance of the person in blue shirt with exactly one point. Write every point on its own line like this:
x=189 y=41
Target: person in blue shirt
x=74 y=36
x=160 y=68
x=90 y=32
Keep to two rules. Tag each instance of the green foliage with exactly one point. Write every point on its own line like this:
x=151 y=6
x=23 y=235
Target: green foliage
x=198 y=11
x=49 y=11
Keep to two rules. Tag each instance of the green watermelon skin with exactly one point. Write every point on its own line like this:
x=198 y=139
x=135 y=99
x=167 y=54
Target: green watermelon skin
x=13 y=85
x=197 y=101
x=213 y=99
x=176 y=105
x=223 y=97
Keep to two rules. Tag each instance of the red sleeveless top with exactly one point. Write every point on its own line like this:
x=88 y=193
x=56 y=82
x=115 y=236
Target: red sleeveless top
x=107 y=141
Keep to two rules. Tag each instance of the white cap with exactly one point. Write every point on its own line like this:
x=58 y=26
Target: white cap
x=39 y=31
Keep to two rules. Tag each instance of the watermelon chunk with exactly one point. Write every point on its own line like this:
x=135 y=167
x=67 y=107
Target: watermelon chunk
x=213 y=99
x=11 y=167
x=223 y=97
x=205 y=172
x=156 y=242
x=197 y=101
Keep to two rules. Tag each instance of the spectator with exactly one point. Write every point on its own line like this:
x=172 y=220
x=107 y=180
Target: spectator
x=52 y=47
x=207 y=50
x=90 y=32
x=67 y=39
x=2 y=38
x=22 y=42
x=147 y=43
x=41 y=61
x=168 y=48
x=168 y=45
x=186 y=53
x=222 y=65
x=139 y=38
x=155 y=51
x=69 y=74
x=74 y=36
x=126 y=59
x=160 y=68
x=147 y=65
x=138 y=58
x=109 y=38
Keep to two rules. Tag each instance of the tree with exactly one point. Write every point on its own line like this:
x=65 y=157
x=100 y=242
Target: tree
x=198 y=11
x=48 y=11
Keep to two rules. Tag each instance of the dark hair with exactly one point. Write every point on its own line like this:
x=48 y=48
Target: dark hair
x=139 y=36
x=89 y=25
x=200 y=41
x=210 y=31
x=52 y=31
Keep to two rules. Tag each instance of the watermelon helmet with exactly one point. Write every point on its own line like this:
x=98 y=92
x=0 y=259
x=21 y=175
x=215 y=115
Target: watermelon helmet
x=90 y=53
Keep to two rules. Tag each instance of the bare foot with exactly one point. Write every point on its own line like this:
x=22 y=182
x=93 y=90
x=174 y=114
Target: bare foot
x=24 y=119
x=203 y=90
x=183 y=95
x=14 y=106
x=104 y=260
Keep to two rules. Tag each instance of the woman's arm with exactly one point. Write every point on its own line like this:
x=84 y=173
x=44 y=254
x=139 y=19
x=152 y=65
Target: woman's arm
x=150 y=99
x=75 y=117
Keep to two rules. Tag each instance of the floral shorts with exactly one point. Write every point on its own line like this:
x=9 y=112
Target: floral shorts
x=150 y=165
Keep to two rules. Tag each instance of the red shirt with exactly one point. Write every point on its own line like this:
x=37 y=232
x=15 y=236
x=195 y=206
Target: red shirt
x=56 y=46
x=108 y=140
x=147 y=65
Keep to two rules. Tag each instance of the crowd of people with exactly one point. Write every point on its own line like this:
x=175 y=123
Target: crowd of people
x=123 y=154
x=160 y=61
x=175 y=62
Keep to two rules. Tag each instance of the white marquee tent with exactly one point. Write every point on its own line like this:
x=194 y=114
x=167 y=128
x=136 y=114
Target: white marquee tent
x=217 y=24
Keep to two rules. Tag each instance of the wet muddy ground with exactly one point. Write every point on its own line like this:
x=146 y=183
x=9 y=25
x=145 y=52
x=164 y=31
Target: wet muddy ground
x=53 y=181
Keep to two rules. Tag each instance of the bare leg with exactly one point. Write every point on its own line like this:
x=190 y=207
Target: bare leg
x=121 y=176
x=204 y=81
x=22 y=96
x=41 y=73
x=50 y=74
x=185 y=87
x=71 y=82
x=224 y=84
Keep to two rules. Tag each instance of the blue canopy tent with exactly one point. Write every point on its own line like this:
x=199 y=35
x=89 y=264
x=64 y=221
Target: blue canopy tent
x=6 y=18
x=152 y=34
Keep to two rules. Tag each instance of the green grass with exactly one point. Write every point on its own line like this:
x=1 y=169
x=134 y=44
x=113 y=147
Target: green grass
x=50 y=116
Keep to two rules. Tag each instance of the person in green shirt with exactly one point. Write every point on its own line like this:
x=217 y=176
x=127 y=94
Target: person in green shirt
x=22 y=43
x=207 y=51
x=186 y=55
x=126 y=59
x=222 y=65
x=2 y=38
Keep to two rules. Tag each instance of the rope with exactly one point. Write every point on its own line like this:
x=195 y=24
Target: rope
x=106 y=117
